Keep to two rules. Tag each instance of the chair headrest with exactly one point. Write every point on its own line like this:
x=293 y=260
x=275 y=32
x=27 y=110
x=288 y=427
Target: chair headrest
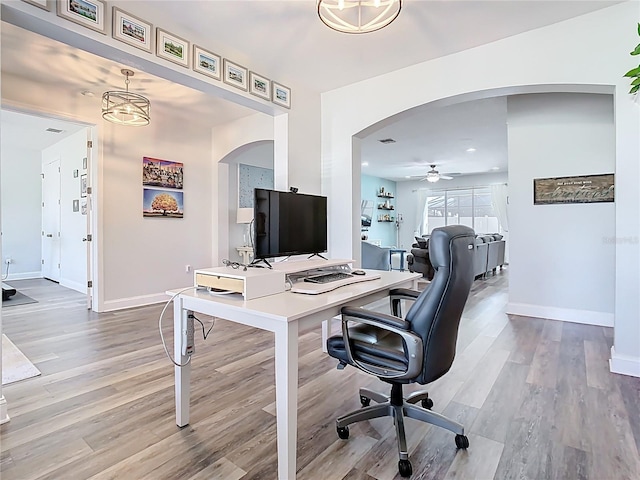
x=440 y=243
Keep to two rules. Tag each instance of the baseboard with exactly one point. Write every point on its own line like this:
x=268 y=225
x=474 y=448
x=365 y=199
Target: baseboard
x=22 y=276
x=131 y=302
x=624 y=364
x=587 y=317
x=4 y=416
x=78 y=287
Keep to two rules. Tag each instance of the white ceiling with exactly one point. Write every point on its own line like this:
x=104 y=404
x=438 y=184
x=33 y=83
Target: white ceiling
x=285 y=41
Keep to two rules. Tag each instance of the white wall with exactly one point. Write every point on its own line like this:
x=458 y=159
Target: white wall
x=143 y=257
x=562 y=265
x=73 y=225
x=585 y=54
x=21 y=211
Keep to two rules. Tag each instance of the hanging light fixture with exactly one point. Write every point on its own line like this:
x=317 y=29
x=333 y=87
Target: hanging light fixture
x=358 y=16
x=433 y=175
x=125 y=108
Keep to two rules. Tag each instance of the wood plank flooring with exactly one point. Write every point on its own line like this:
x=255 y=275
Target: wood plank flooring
x=535 y=396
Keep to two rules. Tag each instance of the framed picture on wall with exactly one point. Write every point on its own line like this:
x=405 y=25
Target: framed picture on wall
x=235 y=75
x=162 y=203
x=83 y=185
x=88 y=13
x=172 y=48
x=259 y=86
x=281 y=95
x=132 y=30
x=206 y=62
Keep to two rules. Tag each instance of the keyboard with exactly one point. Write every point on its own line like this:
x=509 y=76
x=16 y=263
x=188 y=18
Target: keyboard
x=312 y=288
x=328 y=277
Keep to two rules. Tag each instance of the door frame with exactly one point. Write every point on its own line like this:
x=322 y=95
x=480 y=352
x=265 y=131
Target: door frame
x=93 y=219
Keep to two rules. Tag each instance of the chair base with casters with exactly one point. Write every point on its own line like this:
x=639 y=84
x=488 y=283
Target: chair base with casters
x=399 y=407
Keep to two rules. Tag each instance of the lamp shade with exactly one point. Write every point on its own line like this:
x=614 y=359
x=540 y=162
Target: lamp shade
x=124 y=107
x=244 y=215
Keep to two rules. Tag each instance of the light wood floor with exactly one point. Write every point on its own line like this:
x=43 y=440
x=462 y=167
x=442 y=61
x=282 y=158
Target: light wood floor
x=535 y=396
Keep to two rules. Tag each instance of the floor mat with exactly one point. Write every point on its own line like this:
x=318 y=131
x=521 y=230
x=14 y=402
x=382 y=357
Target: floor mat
x=17 y=299
x=15 y=366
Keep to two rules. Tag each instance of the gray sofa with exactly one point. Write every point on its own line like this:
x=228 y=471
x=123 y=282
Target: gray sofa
x=489 y=256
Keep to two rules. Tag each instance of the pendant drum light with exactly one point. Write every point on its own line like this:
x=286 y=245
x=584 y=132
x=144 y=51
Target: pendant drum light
x=124 y=107
x=358 y=16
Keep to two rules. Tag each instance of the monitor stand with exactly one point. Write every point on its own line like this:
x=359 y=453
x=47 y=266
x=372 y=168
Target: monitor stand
x=316 y=255
x=256 y=263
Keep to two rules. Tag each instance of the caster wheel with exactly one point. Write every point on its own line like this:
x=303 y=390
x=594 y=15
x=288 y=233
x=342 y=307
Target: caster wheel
x=364 y=401
x=462 y=442
x=427 y=403
x=343 y=432
x=404 y=468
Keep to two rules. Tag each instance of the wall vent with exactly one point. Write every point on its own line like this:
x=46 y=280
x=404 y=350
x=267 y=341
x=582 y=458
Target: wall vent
x=387 y=140
x=54 y=130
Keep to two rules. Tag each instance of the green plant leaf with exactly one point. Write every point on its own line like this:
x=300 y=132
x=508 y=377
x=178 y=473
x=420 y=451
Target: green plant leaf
x=636 y=81
x=635 y=89
x=636 y=51
x=638 y=28
x=634 y=72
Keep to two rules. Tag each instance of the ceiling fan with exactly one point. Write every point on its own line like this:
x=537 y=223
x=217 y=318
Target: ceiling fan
x=433 y=175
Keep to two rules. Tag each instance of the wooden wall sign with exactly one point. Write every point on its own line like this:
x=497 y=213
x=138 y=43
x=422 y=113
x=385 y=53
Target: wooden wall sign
x=581 y=189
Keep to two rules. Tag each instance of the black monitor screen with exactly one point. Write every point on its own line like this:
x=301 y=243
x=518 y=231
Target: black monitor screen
x=289 y=223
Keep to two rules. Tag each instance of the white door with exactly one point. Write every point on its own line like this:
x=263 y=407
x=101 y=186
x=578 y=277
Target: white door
x=51 y=221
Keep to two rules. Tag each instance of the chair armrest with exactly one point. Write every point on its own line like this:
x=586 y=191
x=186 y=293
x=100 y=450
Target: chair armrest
x=376 y=317
x=412 y=343
x=404 y=294
x=397 y=295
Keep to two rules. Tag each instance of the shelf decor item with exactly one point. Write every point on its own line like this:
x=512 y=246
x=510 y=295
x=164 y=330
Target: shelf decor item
x=206 y=62
x=172 y=48
x=132 y=30
x=235 y=75
x=88 y=13
x=281 y=95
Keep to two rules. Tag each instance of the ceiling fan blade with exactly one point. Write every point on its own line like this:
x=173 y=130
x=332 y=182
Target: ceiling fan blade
x=446 y=177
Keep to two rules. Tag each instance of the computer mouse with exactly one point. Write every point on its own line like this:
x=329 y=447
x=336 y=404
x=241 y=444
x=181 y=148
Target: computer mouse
x=359 y=272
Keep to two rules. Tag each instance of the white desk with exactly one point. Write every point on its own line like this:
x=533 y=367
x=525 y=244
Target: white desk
x=283 y=314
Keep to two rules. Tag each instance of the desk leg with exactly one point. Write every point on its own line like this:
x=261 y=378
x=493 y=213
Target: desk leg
x=182 y=374
x=287 y=398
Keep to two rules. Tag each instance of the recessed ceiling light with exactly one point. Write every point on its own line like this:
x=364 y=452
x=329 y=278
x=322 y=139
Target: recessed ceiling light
x=87 y=93
x=365 y=164
x=471 y=150
x=495 y=168
x=407 y=176
x=54 y=130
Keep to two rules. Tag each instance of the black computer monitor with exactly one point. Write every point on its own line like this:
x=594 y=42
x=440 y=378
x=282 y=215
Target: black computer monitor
x=288 y=223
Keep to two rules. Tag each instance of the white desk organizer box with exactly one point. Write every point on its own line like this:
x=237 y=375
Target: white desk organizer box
x=252 y=283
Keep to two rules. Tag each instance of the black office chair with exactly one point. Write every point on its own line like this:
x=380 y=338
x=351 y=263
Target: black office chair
x=419 y=348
